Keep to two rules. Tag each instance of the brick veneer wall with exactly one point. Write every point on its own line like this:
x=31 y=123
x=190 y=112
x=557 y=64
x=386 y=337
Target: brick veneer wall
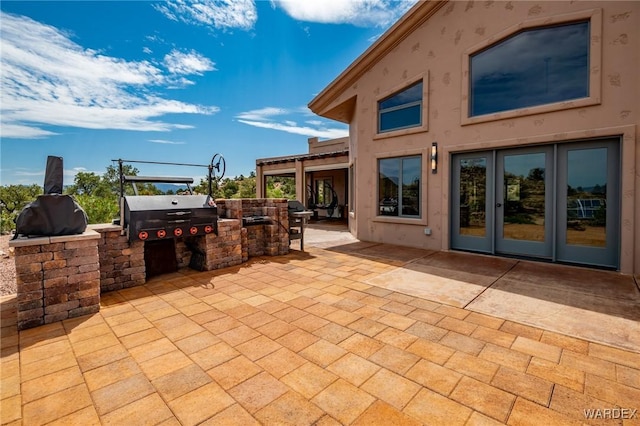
x=183 y=252
x=121 y=262
x=57 y=278
x=268 y=239
x=224 y=249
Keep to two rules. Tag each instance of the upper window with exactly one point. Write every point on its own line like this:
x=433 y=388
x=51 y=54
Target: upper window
x=533 y=67
x=399 y=185
x=401 y=110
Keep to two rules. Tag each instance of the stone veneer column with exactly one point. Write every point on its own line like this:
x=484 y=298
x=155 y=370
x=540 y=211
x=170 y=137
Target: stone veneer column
x=57 y=278
x=121 y=262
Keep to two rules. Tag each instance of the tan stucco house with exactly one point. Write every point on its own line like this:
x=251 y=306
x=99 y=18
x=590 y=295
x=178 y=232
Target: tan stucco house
x=507 y=128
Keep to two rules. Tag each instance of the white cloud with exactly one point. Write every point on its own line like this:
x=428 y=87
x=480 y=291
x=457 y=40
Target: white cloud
x=365 y=13
x=187 y=63
x=219 y=14
x=262 y=114
x=27 y=173
x=67 y=173
x=280 y=119
x=49 y=80
x=162 y=141
x=28 y=132
x=305 y=131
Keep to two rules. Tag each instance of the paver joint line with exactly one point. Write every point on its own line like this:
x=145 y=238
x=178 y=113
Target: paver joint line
x=491 y=285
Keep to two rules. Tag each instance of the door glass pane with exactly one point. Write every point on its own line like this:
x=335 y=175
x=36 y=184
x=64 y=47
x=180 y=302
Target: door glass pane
x=473 y=195
x=586 y=197
x=524 y=197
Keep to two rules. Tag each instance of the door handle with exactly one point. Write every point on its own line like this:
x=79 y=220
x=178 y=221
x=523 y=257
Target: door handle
x=498 y=205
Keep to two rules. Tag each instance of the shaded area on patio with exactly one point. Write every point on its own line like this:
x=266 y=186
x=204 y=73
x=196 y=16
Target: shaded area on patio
x=598 y=305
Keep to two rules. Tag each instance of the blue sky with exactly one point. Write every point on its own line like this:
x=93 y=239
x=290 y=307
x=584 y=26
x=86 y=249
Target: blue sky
x=172 y=81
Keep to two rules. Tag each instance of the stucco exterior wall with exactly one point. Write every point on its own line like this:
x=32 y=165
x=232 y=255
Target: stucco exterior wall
x=317 y=146
x=435 y=51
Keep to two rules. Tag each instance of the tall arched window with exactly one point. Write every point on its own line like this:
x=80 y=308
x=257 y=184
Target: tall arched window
x=533 y=67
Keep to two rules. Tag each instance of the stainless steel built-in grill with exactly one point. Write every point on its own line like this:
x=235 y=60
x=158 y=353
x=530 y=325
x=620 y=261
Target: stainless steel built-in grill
x=159 y=217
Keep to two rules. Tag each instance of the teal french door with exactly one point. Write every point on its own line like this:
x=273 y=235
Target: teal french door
x=556 y=202
x=589 y=203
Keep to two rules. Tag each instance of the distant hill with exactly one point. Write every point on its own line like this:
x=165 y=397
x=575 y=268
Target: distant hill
x=164 y=187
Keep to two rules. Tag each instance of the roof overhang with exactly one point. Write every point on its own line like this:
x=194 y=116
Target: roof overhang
x=301 y=157
x=324 y=103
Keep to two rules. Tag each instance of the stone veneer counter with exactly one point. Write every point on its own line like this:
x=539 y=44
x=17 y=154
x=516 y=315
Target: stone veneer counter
x=57 y=278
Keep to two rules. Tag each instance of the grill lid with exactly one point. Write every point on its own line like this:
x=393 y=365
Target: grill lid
x=167 y=202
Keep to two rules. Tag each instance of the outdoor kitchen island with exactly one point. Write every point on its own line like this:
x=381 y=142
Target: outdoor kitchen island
x=52 y=280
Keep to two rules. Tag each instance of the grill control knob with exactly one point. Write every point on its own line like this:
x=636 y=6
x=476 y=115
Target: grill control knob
x=193 y=230
x=161 y=233
x=177 y=232
x=208 y=229
x=143 y=235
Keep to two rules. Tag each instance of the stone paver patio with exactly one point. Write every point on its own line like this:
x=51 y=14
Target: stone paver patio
x=311 y=338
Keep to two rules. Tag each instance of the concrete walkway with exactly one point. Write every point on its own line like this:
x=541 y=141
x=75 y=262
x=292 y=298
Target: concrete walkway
x=336 y=335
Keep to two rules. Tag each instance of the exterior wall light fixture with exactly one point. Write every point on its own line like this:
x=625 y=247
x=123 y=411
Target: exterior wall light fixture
x=434 y=157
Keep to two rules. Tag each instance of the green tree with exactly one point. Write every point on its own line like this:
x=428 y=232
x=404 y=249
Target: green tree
x=85 y=183
x=88 y=183
x=112 y=179
x=281 y=187
x=98 y=209
x=247 y=187
x=203 y=188
x=13 y=198
x=229 y=188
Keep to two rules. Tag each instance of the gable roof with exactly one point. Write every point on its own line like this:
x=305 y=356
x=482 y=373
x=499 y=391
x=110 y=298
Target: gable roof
x=322 y=103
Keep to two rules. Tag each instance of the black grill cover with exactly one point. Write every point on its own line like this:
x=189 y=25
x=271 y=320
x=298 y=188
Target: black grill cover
x=51 y=215
x=53 y=175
